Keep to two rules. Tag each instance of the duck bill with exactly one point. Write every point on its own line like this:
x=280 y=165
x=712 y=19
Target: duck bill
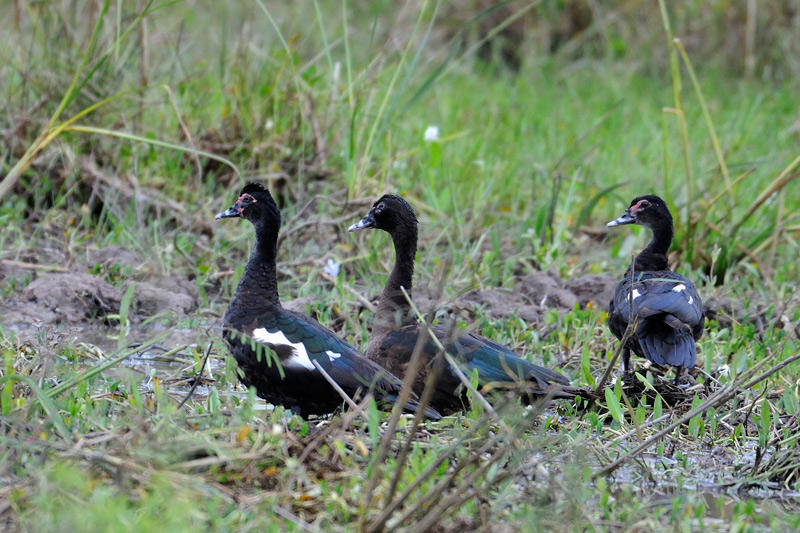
x=365 y=223
x=626 y=218
x=231 y=212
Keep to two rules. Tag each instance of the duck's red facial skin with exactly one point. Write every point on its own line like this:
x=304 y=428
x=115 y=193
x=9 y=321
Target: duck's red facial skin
x=243 y=201
x=641 y=204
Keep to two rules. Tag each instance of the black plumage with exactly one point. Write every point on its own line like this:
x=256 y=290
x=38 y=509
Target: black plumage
x=666 y=305
x=261 y=333
x=395 y=329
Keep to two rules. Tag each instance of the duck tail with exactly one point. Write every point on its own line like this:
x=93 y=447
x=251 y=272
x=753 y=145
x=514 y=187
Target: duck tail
x=676 y=349
x=684 y=353
x=509 y=367
x=431 y=414
x=544 y=376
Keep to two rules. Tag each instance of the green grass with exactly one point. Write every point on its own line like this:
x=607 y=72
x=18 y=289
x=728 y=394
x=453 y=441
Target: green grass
x=527 y=170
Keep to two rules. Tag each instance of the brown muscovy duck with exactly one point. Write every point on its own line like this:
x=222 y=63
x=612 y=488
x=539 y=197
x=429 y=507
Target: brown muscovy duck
x=667 y=306
x=255 y=320
x=395 y=329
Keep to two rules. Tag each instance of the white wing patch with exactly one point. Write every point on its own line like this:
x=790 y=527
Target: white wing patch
x=299 y=353
x=636 y=293
x=680 y=287
x=332 y=355
x=691 y=300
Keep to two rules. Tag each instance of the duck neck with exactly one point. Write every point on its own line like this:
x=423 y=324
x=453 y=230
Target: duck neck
x=393 y=306
x=654 y=256
x=259 y=282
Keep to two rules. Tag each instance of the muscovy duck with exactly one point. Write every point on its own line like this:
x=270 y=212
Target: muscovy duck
x=395 y=329
x=255 y=320
x=666 y=305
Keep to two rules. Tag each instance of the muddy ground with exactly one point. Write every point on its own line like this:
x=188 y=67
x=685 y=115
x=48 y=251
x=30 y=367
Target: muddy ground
x=73 y=295
x=80 y=293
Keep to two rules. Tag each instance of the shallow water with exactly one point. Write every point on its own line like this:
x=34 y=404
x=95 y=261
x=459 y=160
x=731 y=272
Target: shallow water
x=716 y=477
x=173 y=361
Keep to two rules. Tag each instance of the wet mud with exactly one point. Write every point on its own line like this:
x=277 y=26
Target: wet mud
x=83 y=292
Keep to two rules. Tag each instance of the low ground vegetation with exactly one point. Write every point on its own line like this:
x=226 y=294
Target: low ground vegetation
x=125 y=131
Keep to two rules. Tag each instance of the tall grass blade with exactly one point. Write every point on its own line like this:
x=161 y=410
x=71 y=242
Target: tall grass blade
x=707 y=116
x=590 y=204
x=155 y=142
x=124 y=310
x=390 y=93
x=781 y=180
x=683 y=129
x=50 y=131
x=411 y=68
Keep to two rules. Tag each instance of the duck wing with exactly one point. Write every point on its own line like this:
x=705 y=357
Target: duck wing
x=495 y=362
x=670 y=316
x=300 y=341
x=659 y=293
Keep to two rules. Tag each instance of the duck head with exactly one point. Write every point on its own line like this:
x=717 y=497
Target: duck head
x=255 y=204
x=391 y=214
x=649 y=210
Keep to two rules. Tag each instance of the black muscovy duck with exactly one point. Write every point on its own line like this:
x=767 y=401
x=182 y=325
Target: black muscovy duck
x=395 y=329
x=255 y=319
x=668 y=309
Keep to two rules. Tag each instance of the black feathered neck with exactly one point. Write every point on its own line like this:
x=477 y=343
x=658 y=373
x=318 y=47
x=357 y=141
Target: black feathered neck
x=395 y=216
x=657 y=217
x=259 y=283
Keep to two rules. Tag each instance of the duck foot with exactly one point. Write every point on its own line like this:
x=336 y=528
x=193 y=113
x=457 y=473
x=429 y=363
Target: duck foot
x=628 y=378
x=682 y=379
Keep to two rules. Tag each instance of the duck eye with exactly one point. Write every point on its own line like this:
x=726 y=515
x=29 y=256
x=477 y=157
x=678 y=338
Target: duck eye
x=643 y=204
x=246 y=199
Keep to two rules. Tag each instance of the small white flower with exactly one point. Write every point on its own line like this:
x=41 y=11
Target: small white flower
x=337 y=71
x=431 y=134
x=332 y=268
x=269 y=124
